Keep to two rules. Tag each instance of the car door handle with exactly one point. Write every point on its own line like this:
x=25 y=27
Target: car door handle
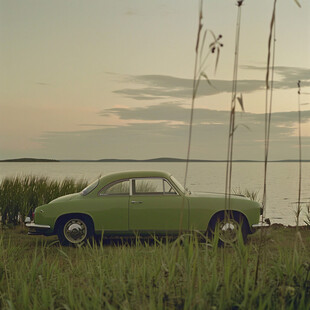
x=136 y=202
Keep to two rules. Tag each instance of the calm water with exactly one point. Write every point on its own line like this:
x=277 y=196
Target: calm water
x=282 y=179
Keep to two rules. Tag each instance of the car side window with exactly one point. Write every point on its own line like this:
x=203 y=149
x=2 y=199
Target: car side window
x=116 y=188
x=152 y=186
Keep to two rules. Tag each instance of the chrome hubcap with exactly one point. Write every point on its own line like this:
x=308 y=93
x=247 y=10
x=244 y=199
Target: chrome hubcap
x=228 y=230
x=75 y=231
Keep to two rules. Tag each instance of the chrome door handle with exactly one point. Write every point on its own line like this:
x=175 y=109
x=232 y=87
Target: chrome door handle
x=135 y=201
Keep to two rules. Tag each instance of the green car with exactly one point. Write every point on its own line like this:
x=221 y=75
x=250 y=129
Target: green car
x=144 y=203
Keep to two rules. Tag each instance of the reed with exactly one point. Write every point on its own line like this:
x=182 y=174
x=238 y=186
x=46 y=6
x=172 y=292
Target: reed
x=269 y=96
x=269 y=81
x=252 y=194
x=298 y=210
x=202 y=53
x=20 y=194
x=232 y=126
x=268 y=113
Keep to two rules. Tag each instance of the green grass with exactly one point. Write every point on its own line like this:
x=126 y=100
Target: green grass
x=37 y=273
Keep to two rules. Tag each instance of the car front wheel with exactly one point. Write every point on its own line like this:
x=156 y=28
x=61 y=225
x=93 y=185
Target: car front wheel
x=228 y=227
x=74 y=231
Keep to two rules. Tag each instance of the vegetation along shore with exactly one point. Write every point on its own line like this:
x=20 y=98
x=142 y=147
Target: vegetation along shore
x=185 y=273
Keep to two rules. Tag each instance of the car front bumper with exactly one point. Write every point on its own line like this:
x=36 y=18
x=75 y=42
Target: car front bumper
x=36 y=229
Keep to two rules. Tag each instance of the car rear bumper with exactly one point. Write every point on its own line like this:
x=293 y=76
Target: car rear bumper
x=259 y=225
x=262 y=223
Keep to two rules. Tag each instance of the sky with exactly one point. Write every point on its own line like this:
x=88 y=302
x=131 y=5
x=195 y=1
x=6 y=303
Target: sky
x=113 y=79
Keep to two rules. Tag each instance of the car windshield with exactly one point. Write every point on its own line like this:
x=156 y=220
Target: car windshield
x=178 y=184
x=90 y=188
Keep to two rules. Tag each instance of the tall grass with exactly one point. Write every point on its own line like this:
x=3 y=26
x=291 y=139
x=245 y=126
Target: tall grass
x=268 y=113
x=20 y=194
x=269 y=96
x=232 y=126
x=298 y=210
x=202 y=53
x=269 y=81
x=41 y=275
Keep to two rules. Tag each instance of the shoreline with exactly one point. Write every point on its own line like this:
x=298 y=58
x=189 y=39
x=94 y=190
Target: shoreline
x=151 y=160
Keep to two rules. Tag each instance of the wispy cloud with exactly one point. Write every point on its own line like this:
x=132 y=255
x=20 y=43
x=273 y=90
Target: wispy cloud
x=176 y=112
x=162 y=86
x=288 y=75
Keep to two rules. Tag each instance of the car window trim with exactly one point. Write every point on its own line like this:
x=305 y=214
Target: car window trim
x=88 y=186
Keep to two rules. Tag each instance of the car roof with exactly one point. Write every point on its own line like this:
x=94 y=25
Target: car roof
x=134 y=174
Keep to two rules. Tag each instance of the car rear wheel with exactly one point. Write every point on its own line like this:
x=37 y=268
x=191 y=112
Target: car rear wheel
x=228 y=227
x=74 y=231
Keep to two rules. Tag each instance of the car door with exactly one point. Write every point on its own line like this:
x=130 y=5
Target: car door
x=155 y=206
x=111 y=211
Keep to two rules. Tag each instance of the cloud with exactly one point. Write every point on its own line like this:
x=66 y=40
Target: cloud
x=162 y=130
x=96 y=125
x=289 y=75
x=161 y=86
x=168 y=111
x=171 y=111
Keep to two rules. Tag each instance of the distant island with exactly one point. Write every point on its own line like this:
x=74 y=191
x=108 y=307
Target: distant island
x=29 y=160
x=152 y=160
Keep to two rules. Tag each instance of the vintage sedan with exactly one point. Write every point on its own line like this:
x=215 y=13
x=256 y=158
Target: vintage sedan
x=144 y=203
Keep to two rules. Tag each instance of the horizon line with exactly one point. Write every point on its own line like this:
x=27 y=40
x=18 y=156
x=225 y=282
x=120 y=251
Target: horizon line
x=157 y=159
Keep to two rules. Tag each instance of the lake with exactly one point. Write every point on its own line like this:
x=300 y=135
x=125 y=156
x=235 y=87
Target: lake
x=282 y=182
